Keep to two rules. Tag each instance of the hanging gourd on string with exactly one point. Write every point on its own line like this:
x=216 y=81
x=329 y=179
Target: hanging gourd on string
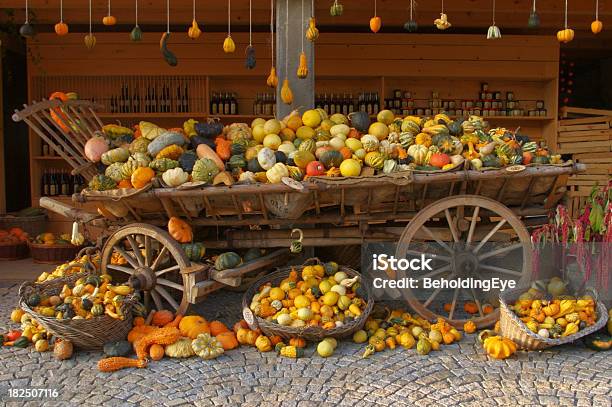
x=286 y=93
x=109 y=19
x=169 y=57
x=26 y=30
x=411 y=25
x=136 y=33
x=228 y=45
x=251 y=61
x=61 y=28
x=302 y=71
x=442 y=23
x=272 y=80
x=596 y=25
x=566 y=34
x=90 y=39
x=375 y=22
x=194 y=30
x=312 y=32
x=534 y=18
x=336 y=9
x=493 y=32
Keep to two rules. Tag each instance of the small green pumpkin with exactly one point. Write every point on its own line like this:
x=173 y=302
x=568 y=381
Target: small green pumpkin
x=97 y=310
x=194 y=251
x=163 y=164
x=205 y=170
x=237 y=161
x=101 y=182
x=139 y=145
x=331 y=158
x=541 y=160
x=252 y=254
x=227 y=260
x=33 y=300
x=490 y=161
x=114 y=171
x=598 y=341
x=237 y=148
x=117 y=348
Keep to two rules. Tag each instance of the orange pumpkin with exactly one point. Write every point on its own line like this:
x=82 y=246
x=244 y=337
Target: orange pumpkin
x=175 y=322
x=162 y=317
x=469 y=327
x=57 y=112
x=156 y=352
x=240 y=324
x=217 y=327
x=142 y=176
x=227 y=340
x=297 y=342
x=193 y=325
x=109 y=20
x=439 y=160
x=487 y=309
x=275 y=339
x=447 y=307
x=180 y=230
x=61 y=28
x=470 y=307
x=346 y=153
x=125 y=183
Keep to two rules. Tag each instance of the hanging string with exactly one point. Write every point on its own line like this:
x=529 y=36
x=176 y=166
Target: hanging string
x=312 y=8
x=250 y=22
x=493 y=12
x=534 y=6
x=566 y=14
x=442 y=6
x=90 y=16
x=229 y=18
x=411 y=7
x=374 y=8
x=596 y=10
x=27 y=13
x=272 y=30
x=136 y=13
x=109 y=13
x=287 y=40
x=168 y=16
x=62 y=11
x=194 y=9
x=303 y=25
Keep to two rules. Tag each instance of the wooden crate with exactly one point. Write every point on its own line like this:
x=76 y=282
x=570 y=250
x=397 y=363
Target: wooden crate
x=586 y=134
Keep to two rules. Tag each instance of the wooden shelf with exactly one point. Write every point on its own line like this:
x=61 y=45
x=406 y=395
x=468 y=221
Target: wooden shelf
x=48 y=158
x=148 y=115
x=516 y=118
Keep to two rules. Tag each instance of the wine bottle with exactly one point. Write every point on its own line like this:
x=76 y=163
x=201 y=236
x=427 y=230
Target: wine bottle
x=233 y=104
x=65 y=184
x=45 y=183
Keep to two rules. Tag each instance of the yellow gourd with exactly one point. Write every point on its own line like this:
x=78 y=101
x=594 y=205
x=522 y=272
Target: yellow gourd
x=194 y=31
x=263 y=344
x=286 y=93
x=312 y=32
x=228 y=45
x=272 y=80
x=499 y=347
x=302 y=71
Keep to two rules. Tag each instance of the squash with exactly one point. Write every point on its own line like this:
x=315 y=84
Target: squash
x=163 y=164
x=142 y=176
x=297 y=342
x=217 y=327
x=205 y=152
x=277 y=173
x=117 y=363
x=160 y=336
x=193 y=325
x=95 y=147
x=102 y=183
x=266 y=158
x=227 y=340
x=359 y=120
x=227 y=260
x=162 y=317
x=598 y=341
x=263 y=343
x=204 y=170
x=62 y=349
x=156 y=352
x=194 y=251
x=469 y=327
x=237 y=162
x=180 y=230
x=164 y=140
x=172 y=152
x=375 y=160
x=210 y=129
x=331 y=158
x=169 y=57
x=120 y=154
x=114 y=171
x=499 y=347
x=175 y=177
x=439 y=160
x=423 y=139
x=207 y=347
x=187 y=160
x=117 y=348
x=180 y=349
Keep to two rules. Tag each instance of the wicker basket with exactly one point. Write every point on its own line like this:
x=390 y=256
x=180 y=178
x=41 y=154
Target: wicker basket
x=309 y=333
x=33 y=225
x=83 y=333
x=53 y=253
x=13 y=251
x=513 y=328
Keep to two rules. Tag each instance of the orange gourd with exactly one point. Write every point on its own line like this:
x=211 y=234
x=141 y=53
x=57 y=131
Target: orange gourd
x=447 y=307
x=375 y=24
x=142 y=176
x=448 y=338
x=470 y=307
x=125 y=183
x=117 y=363
x=56 y=113
x=61 y=28
x=487 y=309
x=297 y=342
x=469 y=327
x=139 y=331
x=193 y=325
x=180 y=230
x=161 y=336
x=275 y=339
x=162 y=317
x=240 y=324
x=227 y=340
x=223 y=148
x=217 y=327
x=138 y=321
x=175 y=322
x=156 y=352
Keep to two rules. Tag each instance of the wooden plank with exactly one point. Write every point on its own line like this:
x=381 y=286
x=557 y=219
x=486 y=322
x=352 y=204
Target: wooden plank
x=579 y=110
x=580 y=127
x=593 y=156
x=572 y=139
x=585 y=120
x=568 y=134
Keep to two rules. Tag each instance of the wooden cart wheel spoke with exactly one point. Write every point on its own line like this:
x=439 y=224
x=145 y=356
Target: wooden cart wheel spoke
x=148 y=251
x=135 y=250
x=501 y=270
x=123 y=269
x=167 y=270
x=438 y=256
x=472 y=226
x=133 y=262
x=489 y=235
x=499 y=251
x=452 y=226
x=154 y=253
x=466 y=219
x=159 y=258
x=435 y=272
x=169 y=283
x=167 y=297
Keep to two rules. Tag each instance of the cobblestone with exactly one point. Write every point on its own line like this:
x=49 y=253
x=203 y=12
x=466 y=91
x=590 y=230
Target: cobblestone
x=458 y=375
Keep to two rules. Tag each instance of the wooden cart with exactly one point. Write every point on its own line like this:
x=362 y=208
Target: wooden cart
x=461 y=213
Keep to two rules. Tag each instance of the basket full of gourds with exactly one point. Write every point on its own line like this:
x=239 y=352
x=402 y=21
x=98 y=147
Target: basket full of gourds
x=313 y=301
x=84 y=308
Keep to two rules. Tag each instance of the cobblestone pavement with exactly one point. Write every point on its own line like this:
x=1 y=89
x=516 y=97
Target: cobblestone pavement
x=460 y=374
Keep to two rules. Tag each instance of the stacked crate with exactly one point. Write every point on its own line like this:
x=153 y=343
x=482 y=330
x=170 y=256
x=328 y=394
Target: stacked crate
x=586 y=135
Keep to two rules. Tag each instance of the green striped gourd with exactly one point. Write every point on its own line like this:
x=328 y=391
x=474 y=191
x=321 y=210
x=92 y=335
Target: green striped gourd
x=308 y=145
x=406 y=139
x=375 y=160
x=115 y=155
x=163 y=164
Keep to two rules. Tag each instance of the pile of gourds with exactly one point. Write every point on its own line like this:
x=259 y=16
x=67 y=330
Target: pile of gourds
x=301 y=146
x=89 y=297
x=546 y=310
x=317 y=295
x=86 y=263
x=390 y=329
x=13 y=236
x=49 y=238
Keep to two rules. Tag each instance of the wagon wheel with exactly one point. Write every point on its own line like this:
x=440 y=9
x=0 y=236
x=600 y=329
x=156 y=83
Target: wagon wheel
x=483 y=233
x=152 y=262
